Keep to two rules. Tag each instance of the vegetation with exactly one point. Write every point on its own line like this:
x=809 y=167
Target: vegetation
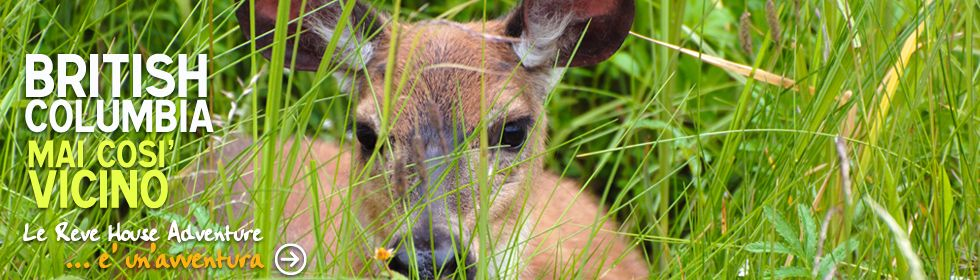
x=748 y=138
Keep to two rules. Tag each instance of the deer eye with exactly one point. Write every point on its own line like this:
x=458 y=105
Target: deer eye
x=514 y=133
x=366 y=136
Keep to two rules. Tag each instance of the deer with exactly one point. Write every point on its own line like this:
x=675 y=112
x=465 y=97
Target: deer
x=423 y=164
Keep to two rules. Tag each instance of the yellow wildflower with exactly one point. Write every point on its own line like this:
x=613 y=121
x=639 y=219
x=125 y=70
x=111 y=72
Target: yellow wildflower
x=383 y=254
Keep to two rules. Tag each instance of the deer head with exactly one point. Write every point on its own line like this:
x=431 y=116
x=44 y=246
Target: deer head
x=425 y=90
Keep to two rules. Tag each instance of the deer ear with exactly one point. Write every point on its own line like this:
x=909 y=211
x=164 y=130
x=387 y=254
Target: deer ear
x=320 y=20
x=550 y=30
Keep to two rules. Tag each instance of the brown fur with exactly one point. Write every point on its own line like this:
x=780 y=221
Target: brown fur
x=448 y=82
x=563 y=218
x=439 y=62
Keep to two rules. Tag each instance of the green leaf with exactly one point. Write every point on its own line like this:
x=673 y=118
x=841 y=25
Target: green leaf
x=831 y=259
x=201 y=215
x=791 y=272
x=809 y=231
x=784 y=229
x=768 y=247
x=625 y=62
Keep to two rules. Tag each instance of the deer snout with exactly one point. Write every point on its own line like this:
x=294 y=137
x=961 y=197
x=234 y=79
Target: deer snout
x=434 y=253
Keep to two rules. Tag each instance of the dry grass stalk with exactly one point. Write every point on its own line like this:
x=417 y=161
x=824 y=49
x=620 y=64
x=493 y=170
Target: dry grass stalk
x=888 y=87
x=740 y=69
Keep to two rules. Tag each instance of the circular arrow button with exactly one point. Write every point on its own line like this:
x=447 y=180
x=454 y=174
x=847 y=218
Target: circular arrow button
x=290 y=259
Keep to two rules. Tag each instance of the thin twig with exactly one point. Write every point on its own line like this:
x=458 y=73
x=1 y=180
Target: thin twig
x=823 y=238
x=845 y=168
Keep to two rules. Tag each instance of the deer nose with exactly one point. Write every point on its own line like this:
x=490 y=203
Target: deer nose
x=434 y=256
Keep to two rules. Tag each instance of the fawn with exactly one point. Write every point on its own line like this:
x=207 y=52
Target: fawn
x=423 y=170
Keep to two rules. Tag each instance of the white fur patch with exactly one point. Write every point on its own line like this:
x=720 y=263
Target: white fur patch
x=351 y=50
x=509 y=263
x=554 y=77
x=539 y=42
x=345 y=83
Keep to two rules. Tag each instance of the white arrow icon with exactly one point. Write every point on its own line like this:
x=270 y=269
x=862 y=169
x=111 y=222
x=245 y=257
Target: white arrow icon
x=296 y=263
x=292 y=259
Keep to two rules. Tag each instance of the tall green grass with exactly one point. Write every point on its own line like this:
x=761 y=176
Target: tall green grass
x=715 y=174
